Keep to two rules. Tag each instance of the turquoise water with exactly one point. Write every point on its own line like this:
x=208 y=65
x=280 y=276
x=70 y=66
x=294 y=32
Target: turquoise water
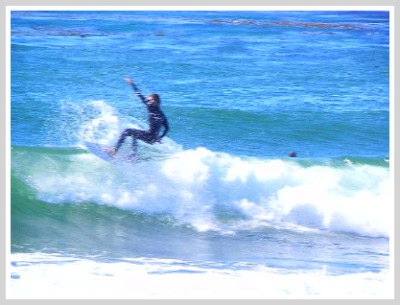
x=219 y=197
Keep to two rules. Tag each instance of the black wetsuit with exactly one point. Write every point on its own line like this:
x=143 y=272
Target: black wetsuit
x=157 y=119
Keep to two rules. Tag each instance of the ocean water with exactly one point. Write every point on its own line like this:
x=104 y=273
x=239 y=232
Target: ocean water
x=218 y=210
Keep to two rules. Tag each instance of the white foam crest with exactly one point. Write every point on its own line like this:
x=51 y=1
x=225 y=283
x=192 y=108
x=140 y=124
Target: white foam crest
x=193 y=184
x=349 y=199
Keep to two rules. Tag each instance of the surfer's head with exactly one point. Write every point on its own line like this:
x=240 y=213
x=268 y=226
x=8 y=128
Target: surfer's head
x=154 y=99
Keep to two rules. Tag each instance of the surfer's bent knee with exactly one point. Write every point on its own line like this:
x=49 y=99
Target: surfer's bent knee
x=128 y=132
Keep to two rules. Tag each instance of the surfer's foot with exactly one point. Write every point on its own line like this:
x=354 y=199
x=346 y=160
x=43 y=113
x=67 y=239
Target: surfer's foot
x=111 y=151
x=133 y=158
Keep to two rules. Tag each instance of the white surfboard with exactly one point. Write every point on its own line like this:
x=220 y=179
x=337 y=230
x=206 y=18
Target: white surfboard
x=100 y=151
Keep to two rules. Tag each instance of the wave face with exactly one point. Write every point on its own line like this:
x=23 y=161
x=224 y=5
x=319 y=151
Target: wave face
x=206 y=189
x=210 y=190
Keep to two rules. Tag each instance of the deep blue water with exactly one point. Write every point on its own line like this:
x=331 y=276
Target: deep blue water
x=302 y=83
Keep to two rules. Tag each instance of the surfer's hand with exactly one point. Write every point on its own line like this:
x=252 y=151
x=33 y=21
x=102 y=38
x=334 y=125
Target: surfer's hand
x=128 y=80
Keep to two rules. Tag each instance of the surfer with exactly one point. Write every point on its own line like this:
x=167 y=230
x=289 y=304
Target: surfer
x=157 y=119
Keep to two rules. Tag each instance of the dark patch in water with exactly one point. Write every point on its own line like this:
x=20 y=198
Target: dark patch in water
x=15 y=276
x=177 y=271
x=283 y=23
x=53 y=31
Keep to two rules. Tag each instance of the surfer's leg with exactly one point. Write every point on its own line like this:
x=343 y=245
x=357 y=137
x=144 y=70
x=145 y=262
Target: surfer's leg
x=134 y=143
x=138 y=135
x=126 y=133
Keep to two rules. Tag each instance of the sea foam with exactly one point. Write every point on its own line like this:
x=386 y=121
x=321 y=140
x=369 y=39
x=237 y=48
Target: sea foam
x=46 y=276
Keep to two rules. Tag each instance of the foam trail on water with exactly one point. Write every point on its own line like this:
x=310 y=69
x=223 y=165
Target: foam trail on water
x=33 y=277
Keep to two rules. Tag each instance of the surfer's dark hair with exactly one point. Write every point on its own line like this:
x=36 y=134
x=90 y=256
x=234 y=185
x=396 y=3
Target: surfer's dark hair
x=156 y=98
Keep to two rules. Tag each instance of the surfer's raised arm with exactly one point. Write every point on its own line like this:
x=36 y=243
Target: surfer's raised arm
x=138 y=93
